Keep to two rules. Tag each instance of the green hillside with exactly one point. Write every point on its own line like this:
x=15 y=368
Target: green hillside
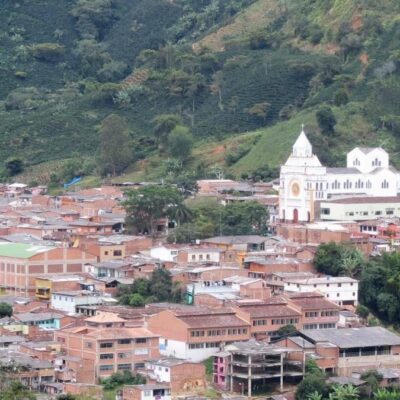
x=222 y=67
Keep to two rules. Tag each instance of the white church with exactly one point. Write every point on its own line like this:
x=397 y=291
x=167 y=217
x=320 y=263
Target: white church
x=304 y=181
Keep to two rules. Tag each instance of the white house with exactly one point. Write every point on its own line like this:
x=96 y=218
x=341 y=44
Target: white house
x=341 y=290
x=70 y=301
x=304 y=181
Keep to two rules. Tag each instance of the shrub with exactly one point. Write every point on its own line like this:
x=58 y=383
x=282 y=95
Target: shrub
x=341 y=97
x=326 y=120
x=50 y=52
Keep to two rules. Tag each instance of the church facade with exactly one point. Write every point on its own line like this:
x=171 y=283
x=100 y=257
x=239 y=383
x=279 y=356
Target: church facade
x=304 y=181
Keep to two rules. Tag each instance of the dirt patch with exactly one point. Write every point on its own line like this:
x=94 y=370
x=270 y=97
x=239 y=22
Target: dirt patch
x=255 y=16
x=219 y=150
x=357 y=23
x=364 y=58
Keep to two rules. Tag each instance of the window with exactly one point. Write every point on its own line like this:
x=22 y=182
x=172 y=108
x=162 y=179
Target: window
x=107 y=356
x=325 y=211
x=106 y=253
x=338 y=295
x=117 y=253
x=124 y=341
x=385 y=184
x=139 y=366
x=124 y=355
x=141 y=351
x=124 y=367
x=197 y=333
x=193 y=346
x=312 y=314
x=106 y=367
x=106 y=345
x=310 y=326
x=193 y=257
x=207 y=256
x=141 y=340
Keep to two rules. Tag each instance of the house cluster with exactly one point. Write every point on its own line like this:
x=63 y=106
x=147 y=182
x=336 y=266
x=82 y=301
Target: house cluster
x=63 y=259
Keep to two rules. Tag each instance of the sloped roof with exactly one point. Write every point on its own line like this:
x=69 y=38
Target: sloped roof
x=22 y=250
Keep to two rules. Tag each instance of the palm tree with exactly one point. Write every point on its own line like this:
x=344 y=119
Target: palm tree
x=384 y=394
x=315 y=396
x=346 y=392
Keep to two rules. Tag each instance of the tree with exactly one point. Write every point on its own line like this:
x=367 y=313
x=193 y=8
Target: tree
x=115 y=152
x=136 y=300
x=164 y=124
x=338 y=259
x=5 y=310
x=244 y=219
x=159 y=287
x=147 y=205
x=312 y=368
x=344 y=392
x=373 y=379
x=341 y=97
x=14 y=166
x=326 y=120
x=310 y=385
x=385 y=394
x=286 y=330
x=180 y=142
x=15 y=390
x=362 y=311
x=315 y=396
x=259 y=110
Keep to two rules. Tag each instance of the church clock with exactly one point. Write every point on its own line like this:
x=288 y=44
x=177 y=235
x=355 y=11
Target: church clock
x=295 y=189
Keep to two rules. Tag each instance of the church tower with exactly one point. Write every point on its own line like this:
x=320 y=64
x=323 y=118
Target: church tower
x=302 y=182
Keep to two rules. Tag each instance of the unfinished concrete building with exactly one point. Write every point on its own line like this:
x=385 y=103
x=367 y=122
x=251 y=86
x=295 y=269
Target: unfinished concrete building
x=252 y=366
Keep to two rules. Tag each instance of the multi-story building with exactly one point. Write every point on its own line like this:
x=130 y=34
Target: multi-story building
x=317 y=311
x=195 y=334
x=341 y=290
x=75 y=302
x=349 y=350
x=244 y=366
x=20 y=264
x=108 y=350
x=265 y=318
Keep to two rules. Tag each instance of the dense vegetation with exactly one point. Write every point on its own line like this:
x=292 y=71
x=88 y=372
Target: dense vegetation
x=379 y=278
x=158 y=288
x=220 y=66
x=314 y=387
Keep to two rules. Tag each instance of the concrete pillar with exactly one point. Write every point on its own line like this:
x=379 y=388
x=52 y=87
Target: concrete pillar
x=281 y=377
x=249 y=377
x=231 y=371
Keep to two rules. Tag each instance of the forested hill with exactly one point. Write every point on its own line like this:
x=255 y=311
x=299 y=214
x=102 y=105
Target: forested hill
x=236 y=76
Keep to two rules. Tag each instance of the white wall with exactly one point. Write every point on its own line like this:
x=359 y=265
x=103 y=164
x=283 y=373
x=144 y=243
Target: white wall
x=63 y=303
x=178 y=349
x=347 y=291
x=358 y=212
x=163 y=254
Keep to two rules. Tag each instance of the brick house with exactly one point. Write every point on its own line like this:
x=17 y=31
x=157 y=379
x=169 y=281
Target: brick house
x=20 y=264
x=181 y=375
x=349 y=350
x=108 y=350
x=196 y=334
